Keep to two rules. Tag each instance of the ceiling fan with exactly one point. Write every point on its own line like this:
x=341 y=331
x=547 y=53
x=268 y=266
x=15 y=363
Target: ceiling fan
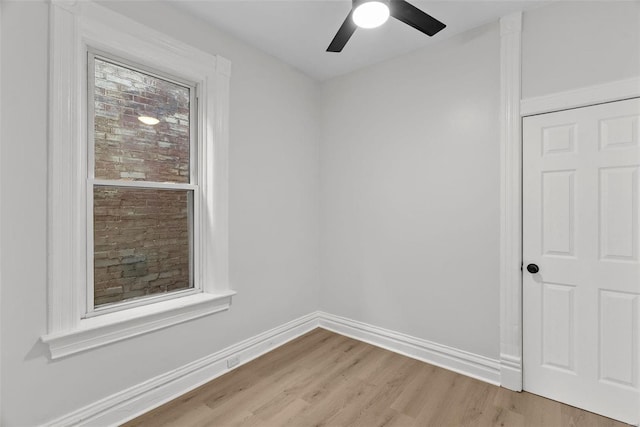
x=373 y=13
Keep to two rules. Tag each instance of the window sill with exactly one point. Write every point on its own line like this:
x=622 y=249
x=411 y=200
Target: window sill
x=112 y=327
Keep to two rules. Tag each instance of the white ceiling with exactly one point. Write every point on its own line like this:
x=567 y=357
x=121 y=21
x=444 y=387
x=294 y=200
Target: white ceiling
x=299 y=31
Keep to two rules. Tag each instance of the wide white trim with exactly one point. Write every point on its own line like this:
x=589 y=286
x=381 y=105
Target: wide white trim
x=134 y=401
x=462 y=362
x=141 y=398
x=510 y=203
x=63 y=221
x=582 y=97
x=101 y=330
x=1 y=347
x=75 y=28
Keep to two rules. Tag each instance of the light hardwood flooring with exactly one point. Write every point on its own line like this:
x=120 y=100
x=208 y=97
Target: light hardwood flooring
x=326 y=379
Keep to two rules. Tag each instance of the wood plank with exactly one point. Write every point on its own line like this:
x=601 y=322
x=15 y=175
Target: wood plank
x=326 y=379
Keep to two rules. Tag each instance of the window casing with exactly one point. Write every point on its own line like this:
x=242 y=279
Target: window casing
x=81 y=32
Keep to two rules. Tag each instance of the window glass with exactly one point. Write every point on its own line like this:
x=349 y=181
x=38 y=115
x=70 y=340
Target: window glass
x=141 y=242
x=142 y=223
x=141 y=125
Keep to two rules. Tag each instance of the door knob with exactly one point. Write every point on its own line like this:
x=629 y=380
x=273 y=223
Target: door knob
x=532 y=268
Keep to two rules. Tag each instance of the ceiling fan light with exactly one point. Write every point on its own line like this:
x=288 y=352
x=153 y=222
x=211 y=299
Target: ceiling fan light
x=371 y=14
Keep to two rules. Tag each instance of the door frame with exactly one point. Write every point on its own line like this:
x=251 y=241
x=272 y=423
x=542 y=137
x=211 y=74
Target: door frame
x=512 y=110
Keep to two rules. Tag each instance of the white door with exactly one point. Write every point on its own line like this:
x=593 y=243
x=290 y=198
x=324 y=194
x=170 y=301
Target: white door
x=581 y=228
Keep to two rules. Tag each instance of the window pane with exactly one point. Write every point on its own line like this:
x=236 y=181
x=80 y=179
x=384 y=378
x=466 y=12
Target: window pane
x=125 y=147
x=141 y=242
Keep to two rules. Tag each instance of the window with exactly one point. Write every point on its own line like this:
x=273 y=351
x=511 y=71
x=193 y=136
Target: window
x=137 y=180
x=141 y=176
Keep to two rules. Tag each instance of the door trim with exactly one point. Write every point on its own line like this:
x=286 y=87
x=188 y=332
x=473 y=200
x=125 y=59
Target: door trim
x=607 y=92
x=510 y=202
x=512 y=109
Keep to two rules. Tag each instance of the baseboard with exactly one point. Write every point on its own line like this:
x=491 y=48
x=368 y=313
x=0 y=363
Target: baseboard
x=132 y=402
x=141 y=398
x=469 y=364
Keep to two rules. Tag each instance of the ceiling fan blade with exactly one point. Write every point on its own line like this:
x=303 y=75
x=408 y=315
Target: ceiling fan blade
x=411 y=15
x=343 y=35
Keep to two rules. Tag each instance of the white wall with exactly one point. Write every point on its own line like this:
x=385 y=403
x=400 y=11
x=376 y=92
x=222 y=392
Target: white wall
x=410 y=169
x=274 y=184
x=409 y=193
x=569 y=45
x=397 y=164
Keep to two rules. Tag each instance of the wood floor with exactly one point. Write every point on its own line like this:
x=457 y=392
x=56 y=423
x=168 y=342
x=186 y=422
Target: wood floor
x=325 y=379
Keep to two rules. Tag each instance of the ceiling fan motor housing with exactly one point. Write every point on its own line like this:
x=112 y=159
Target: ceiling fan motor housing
x=357 y=3
x=399 y=9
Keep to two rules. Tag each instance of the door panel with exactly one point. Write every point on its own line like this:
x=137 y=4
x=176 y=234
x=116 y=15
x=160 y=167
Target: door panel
x=581 y=227
x=618 y=338
x=558 y=213
x=619 y=214
x=558 y=330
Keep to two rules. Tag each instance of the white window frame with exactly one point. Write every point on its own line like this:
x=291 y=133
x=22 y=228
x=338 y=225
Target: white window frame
x=193 y=185
x=75 y=28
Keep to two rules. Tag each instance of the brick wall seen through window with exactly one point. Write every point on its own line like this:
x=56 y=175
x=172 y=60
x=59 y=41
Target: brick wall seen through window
x=142 y=236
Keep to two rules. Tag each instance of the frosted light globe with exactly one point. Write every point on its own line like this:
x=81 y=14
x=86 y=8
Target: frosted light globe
x=371 y=14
